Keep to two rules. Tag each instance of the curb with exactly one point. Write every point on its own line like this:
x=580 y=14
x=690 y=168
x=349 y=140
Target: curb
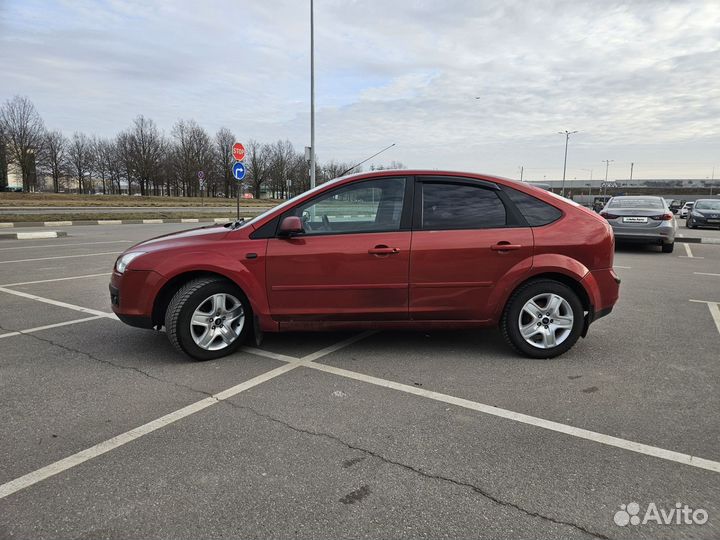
x=32 y=235
x=112 y=222
x=693 y=240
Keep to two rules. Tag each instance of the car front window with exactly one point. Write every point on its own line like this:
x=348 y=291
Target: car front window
x=708 y=205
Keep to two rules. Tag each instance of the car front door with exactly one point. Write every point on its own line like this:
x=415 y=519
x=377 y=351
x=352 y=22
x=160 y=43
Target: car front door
x=466 y=237
x=351 y=262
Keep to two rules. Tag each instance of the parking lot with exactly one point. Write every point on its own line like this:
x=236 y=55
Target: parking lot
x=106 y=431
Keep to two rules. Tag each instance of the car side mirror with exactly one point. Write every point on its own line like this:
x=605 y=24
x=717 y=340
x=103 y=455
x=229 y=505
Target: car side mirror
x=291 y=226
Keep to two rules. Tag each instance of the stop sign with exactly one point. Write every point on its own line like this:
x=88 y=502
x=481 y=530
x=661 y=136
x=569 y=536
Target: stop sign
x=238 y=151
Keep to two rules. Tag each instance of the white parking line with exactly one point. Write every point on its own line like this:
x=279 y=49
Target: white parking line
x=59 y=304
x=62 y=257
x=48 y=326
x=624 y=267
x=714 y=308
x=601 y=438
x=56 y=279
x=689 y=253
x=68 y=245
x=706 y=274
x=76 y=459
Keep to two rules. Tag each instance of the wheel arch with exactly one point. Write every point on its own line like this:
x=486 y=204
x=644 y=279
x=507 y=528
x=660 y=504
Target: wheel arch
x=168 y=290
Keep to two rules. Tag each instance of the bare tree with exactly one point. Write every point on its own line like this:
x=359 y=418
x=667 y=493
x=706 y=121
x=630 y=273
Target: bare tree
x=224 y=140
x=146 y=147
x=123 y=149
x=80 y=161
x=281 y=157
x=24 y=131
x=257 y=157
x=193 y=152
x=3 y=160
x=53 y=159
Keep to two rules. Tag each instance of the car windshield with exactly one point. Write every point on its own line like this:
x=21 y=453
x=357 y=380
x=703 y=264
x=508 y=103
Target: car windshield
x=707 y=205
x=622 y=202
x=289 y=202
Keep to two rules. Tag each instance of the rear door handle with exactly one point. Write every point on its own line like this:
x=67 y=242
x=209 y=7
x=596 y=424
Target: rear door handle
x=505 y=246
x=383 y=250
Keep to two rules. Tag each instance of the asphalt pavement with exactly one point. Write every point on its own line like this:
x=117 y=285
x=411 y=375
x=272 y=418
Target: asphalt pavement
x=107 y=432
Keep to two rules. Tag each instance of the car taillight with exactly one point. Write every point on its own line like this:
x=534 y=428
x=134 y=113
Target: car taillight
x=662 y=217
x=607 y=215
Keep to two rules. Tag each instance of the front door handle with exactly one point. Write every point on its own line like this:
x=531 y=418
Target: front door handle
x=505 y=246
x=383 y=250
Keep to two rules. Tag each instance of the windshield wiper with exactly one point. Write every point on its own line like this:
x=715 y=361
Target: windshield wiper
x=234 y=224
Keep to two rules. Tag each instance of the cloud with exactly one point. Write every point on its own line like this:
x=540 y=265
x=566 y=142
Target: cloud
x=638 y=79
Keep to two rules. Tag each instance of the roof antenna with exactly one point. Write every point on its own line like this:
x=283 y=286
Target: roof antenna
x=364 y=160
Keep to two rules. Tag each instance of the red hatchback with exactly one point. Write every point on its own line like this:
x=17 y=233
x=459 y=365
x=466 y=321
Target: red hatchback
x=389 y=249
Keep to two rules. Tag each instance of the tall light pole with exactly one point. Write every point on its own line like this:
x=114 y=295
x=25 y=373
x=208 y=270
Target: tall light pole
x=312 y=95
x=632 y=166
x=522 y=169
x=607 y=163
x=567 y=138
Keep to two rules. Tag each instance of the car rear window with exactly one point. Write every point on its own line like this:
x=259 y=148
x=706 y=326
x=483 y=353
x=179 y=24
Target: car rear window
x=457 y=206
x=620 y=202
x=535 y=211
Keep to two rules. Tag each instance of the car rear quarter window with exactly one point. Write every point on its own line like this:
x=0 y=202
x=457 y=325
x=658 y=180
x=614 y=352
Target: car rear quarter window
x=458 y=206
x=535 y=211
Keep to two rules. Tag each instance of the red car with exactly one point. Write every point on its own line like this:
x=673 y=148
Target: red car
x=385 y=249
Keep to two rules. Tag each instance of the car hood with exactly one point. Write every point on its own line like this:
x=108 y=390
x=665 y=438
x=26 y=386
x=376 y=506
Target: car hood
x=182 y=238
x=707 y=213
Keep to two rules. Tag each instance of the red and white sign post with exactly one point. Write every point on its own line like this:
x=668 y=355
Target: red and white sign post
x=238 y=151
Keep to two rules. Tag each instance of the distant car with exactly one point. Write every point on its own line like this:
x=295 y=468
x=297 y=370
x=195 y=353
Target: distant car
x=12 y=189
x=685 y=210
x=705 y=213
x=641 y=219
x=600 y=202
x=674 y=205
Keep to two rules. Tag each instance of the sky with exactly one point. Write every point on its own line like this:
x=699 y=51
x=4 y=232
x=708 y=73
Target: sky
x=479 y=86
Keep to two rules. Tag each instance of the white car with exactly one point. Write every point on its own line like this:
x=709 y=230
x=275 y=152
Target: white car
x=685 y=210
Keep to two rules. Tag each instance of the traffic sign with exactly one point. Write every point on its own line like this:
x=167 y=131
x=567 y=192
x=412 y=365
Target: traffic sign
x=238 y=171
x=238 y=151
x=201 y=175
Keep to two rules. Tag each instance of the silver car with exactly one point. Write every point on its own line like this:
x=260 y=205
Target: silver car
x=641 y=219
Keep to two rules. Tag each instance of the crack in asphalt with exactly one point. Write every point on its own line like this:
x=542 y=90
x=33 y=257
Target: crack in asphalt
x=109 y=362
x=476 y=489
x=384 y=459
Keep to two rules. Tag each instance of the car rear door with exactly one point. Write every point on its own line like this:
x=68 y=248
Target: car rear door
x=466 y=237
x=351 y=263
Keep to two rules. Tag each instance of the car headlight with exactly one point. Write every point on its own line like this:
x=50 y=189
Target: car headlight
x=124 y=260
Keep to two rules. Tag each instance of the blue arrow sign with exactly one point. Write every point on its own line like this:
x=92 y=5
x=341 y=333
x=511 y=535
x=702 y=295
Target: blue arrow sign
x=238 y=171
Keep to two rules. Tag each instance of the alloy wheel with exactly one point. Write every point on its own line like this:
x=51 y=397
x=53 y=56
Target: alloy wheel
x=546 y=320
x=217 y=322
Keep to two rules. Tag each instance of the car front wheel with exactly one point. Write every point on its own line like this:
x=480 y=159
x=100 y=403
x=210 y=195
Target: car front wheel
x=543 y=319
x=208 y=318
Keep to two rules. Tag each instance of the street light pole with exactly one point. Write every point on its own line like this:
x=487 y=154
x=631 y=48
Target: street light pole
x=607 y=166
x=312 y=95
x=567 y=138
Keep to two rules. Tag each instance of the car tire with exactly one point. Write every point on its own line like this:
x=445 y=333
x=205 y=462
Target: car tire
x=689 y=224
x=216 y=301
x=515 y=317
x=668 y=248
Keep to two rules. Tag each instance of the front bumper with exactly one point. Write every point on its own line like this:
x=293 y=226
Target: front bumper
x=132 y=295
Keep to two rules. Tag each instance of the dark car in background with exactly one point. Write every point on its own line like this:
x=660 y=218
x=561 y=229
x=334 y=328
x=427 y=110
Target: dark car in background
x=641 y=219
x=705 y=213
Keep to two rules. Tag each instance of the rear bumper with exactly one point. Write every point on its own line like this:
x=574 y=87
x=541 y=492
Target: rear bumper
x=661 y=235
x=603 y=287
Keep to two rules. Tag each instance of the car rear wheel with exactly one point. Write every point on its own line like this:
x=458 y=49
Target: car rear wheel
x=668 y=248
x=543 y=319
x=208 y=318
